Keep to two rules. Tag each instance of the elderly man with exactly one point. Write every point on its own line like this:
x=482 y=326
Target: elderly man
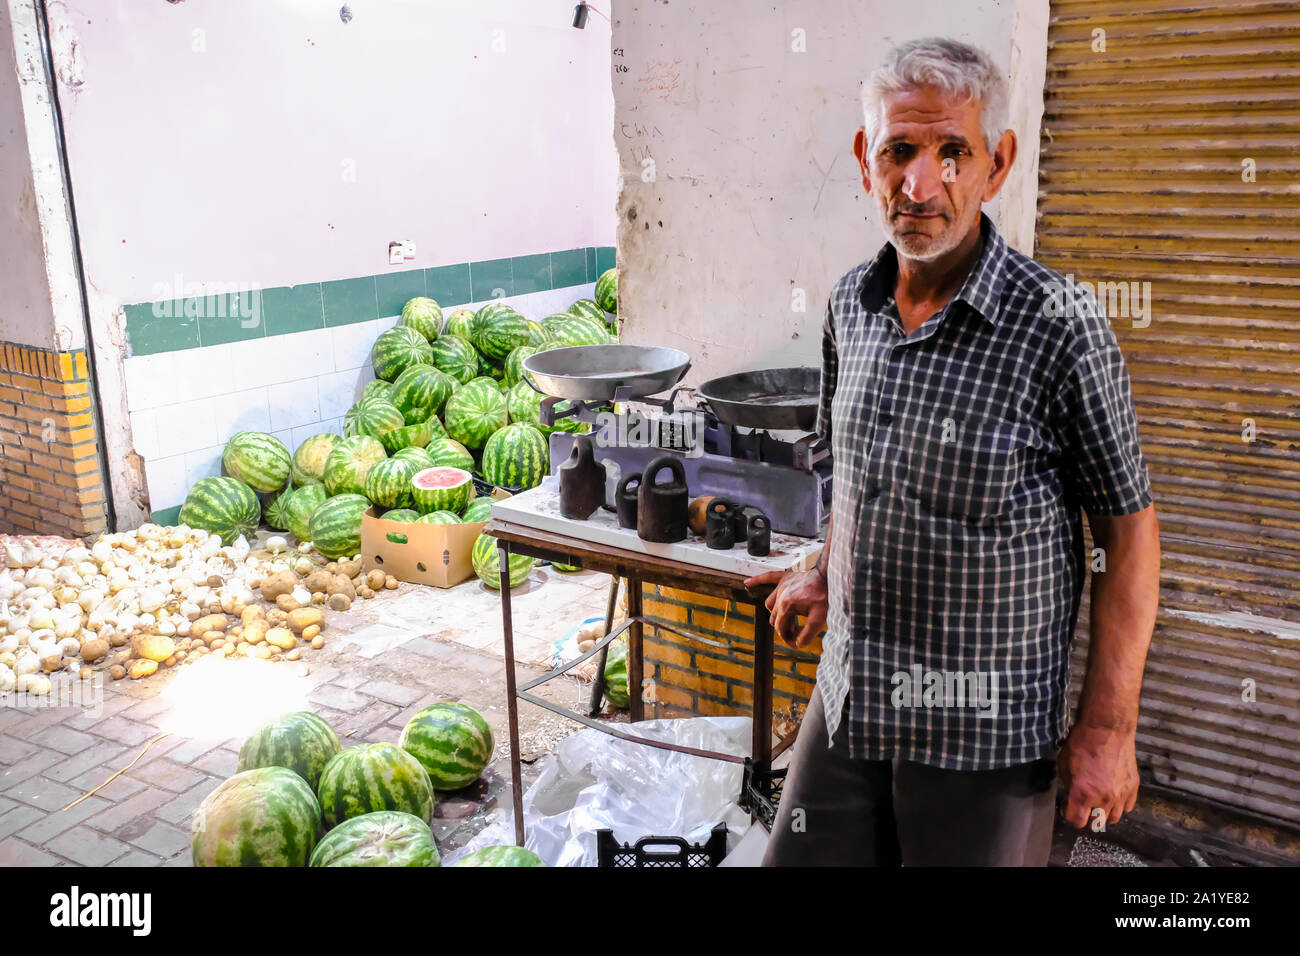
x=975 y=403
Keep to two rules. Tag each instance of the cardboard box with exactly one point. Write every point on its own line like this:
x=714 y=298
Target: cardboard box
x=434 y=554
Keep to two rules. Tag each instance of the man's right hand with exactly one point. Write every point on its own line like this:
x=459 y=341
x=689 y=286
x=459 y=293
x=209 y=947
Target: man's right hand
x=797 y=593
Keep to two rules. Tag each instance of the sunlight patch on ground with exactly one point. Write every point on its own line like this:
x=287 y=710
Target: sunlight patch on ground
x=223 y=698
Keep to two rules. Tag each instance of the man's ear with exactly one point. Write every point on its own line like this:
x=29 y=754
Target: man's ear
x=860 y=151
x=1003 y=156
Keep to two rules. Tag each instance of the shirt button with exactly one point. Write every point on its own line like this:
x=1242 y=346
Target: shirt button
x=886 y=418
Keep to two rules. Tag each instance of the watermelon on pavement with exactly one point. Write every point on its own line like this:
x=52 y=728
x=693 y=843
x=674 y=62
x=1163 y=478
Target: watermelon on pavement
x=335 y=526
x=388 y=483
x=421 y=391
x=302 y=502
x=502 y=856
x=373 y=417
x=370 y=777
x=397 y=349
x=424 y=315
x=607 y=290
x=460 y=323
x=309 y=460
x=488 y=567
x=381 y=838
x=452 y=741
x=263 y=817
x=224 y=506
x=475 y=411
x=301 y=742
x=517 y=456
x=258 y=460
x=350 y=462
x=455 y=355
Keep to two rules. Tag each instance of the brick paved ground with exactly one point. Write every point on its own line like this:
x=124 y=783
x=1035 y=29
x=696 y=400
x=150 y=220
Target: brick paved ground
x=50 y=757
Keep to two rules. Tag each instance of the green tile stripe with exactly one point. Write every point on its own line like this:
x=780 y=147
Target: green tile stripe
x=173 y=325
x=167 y=516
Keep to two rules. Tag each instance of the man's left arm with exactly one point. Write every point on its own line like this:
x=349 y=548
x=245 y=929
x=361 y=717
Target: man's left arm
x=1098 y=763
x=1105 y=475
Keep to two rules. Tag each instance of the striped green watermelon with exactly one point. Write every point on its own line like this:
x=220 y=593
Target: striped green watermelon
x=495 y=332
x=388 y=483
x=551 y=323
x=514 y=365
x=302 y=502
x=417 y=435
x=450 y=453
x=580 y=330
x=301 y=742
x=378 y=388
x=335 y=526
x=502 y=856
x=350 y=462
x=370 y=777
x=484 y=380
x=488 y=567
x=373 y=417
x=590 y=309
x=275 y=509
x=224 y=506
x=401 y=514
x=475 y=411
x=459 y=323
x=424 y=315
x=538 y=337
x=396 y=349
x=382 y=838
x=422 y=391
x=517 y=456
x=455 y=356
x=309 y=460
x=480 y=509
x=452 y=741
x=607 y=290
x=616 y=674
x=258 y=460
x=263 y=817
x=439 y=517
x=525 y=406
x=418 y=455
x=441 y=489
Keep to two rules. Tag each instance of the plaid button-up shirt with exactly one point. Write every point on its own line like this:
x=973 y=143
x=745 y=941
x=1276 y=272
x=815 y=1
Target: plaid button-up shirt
x=963 y=455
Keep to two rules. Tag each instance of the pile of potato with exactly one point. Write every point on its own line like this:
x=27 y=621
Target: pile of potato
x=160 y=596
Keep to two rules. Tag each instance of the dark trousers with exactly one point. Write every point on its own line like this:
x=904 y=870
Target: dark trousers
x=837 y=811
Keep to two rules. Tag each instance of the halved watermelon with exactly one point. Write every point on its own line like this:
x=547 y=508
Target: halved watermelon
x=442 y=489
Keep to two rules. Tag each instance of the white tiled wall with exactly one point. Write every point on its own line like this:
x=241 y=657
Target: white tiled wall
x=185 y=405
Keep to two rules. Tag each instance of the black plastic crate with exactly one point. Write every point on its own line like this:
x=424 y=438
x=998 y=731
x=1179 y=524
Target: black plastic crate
x=661 y=851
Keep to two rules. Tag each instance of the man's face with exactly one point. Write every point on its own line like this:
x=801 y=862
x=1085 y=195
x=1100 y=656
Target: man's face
x=930 y=170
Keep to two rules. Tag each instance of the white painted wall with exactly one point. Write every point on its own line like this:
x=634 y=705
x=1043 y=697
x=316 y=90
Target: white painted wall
x=269 y=143
x=41 y=305
x=756 y=193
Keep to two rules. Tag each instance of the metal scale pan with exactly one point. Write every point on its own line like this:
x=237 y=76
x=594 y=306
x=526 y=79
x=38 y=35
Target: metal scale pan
x=775 y=399
x=606 y=372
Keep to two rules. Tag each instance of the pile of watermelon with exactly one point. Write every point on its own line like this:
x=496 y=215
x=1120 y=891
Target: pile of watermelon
x=300 y=799
x=449 y=402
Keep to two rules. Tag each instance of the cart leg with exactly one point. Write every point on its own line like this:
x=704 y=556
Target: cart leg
x=598 y=685
x=512 y=702
x=763 y=653
x=635 y=661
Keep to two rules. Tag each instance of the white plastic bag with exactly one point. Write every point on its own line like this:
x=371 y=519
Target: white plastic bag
x=595 y=781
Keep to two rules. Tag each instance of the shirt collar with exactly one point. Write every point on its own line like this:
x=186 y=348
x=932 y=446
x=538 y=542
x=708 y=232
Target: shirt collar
x=982 y=290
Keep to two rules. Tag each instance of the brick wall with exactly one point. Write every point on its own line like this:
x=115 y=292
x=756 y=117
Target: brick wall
x=693 y=678
x=50 y=478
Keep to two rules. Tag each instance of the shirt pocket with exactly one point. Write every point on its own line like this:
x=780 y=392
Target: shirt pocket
x=961 y=465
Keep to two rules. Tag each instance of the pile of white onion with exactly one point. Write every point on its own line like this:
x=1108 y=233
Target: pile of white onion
x=153 y=579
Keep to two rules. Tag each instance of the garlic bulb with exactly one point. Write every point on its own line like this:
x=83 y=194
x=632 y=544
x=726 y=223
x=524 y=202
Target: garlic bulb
x=7 y=679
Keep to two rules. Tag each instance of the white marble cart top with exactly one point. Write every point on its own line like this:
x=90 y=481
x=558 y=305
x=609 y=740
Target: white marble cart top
x=540 y=508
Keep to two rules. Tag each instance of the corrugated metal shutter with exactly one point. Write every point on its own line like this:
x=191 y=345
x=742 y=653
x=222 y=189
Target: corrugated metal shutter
x=1143 y=152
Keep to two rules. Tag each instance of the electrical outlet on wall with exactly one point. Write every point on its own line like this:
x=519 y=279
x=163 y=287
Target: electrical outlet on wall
x=400 y=251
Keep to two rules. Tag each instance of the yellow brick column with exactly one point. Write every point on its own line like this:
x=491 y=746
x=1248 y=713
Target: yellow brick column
x=693 y=678
x=50 y=477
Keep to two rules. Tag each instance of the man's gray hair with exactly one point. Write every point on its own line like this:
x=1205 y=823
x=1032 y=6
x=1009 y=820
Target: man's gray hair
x=958 y=69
